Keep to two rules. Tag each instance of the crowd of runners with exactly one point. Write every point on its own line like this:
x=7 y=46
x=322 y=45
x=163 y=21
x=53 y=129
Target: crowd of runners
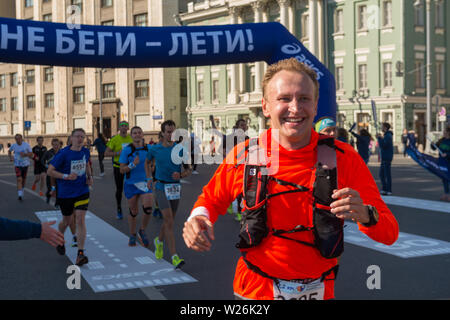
x=144 y=173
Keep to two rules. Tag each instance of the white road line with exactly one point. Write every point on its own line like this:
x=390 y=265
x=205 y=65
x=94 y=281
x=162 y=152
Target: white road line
x=428 y=205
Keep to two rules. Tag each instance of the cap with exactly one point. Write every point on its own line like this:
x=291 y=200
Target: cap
x=324 y=123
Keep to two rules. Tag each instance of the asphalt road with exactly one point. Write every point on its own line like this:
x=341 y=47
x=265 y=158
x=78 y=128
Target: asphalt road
x=31 y=269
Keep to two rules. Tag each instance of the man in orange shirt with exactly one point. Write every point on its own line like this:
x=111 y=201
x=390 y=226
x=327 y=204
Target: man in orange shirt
x=277 y=268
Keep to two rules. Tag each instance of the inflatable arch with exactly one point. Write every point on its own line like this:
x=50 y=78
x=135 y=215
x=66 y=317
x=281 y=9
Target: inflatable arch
x=59 y=44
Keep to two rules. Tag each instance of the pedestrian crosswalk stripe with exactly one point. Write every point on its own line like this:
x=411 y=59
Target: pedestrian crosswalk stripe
x=113 y=261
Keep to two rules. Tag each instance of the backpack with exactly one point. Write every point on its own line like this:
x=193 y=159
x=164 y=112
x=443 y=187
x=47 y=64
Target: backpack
x=327 y=228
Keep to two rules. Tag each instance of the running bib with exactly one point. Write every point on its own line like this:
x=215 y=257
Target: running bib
x=172 y=191
x=78 y=167
x=292 y=290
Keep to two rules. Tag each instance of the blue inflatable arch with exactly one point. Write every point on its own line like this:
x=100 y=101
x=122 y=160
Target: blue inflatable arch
x=59 y=44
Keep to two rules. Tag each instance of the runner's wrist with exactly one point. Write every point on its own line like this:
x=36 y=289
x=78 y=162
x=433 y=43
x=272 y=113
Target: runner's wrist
x=131 y=166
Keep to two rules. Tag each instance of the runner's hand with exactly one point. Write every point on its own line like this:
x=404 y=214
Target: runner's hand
x=194 y=233
x=72 y=176
x=149 y=184
x=176 y=176
x=136 y=160
x=90 y=181
x=349 y=205
x=50 y=235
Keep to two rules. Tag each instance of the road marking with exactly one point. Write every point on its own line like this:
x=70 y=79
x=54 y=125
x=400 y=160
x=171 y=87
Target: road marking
x=105 y=273
x=417 y=203
x=407 y=245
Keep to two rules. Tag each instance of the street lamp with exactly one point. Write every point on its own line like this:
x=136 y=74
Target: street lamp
x=100 y=110
x=417 y=4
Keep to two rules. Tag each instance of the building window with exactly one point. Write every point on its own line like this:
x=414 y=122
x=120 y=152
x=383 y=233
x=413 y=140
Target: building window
x=14 y=79
x=48 y=74
x=339 y=21
x=2 y=80
x=215 y=90
x=14 y=103
x=78 y=94
x=2 y=104
x=108 y=23
x=30 y=76
x=109 y=90
x=362 y=76
x=387 y=13
x=387 y=74
x=440 y=10
x=362 y=121
x=440 y=75
x=140 y=20
x=305 y=27
x=49 y=100
x=47 y=17
x=77 y=70
x=31 y=102
x=340 y=78
x=362 y=18
x=419 y=16
x=107 y=3
x=141 y=88
x=200 y=91
x=28 y=3
x=420 y=74
x=183 y=88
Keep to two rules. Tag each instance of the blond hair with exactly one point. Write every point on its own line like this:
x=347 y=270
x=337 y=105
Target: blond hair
x=290 y=64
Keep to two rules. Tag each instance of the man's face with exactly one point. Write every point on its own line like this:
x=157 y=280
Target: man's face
x=167 y=134
x=123 y=128
x=291 y=105
x=330 y=131
x=242 y=125
x=78 y=139
x=136 y=135
x=18 y=139
x=40 y=142
x=55 y=145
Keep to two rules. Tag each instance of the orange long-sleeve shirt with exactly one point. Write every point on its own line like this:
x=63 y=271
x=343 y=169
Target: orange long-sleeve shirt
x=283 y=258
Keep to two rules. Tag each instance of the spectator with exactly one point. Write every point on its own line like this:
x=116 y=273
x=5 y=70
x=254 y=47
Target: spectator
x=100 y=145
x=387 y=154
x=363 y=143
x=21 y=230
x=326 y=126
x=404 y=141
x=444 y=147
x=342 y=135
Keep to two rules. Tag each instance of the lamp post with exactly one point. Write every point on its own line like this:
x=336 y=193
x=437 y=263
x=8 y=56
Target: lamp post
x=100 y=110
x=417 y=4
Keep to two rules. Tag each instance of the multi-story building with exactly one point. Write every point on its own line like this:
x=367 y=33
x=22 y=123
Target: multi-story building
x=375 y=48
x=58 y=99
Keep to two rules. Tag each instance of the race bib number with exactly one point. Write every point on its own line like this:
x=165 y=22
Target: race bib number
x=291 y=290
x=78 y=167
x=172 y=191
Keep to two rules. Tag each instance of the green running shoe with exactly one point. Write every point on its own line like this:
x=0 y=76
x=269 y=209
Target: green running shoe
x=177 y=262
x=159 y=248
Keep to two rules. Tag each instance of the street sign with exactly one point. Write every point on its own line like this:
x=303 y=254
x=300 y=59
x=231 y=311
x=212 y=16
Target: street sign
x=157 y=117
x=27 y=125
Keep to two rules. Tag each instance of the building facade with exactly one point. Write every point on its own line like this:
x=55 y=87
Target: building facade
x=58 y=99
x=375 y=48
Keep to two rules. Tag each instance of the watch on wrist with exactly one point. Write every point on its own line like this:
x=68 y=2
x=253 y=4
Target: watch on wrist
x=373 y=216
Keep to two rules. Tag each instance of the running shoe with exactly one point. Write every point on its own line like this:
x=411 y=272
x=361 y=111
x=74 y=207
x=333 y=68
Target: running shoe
x=177 y=262
x=159 y=248
x=74 y=241
x=33 y=187
x=41 y=193
x=238 y=217
x=143 y=238
x=119 y=215
x=81 y=259
x=20 y=198
x=132 y=241
x=61 y=250
x=157 y=213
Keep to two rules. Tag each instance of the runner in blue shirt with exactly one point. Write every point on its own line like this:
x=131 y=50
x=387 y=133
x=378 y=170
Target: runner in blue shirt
x=74 y=176
x=167 y=189
x=132 y=165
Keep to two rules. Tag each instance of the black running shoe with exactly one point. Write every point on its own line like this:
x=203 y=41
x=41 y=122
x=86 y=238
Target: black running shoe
x=20 y=198
x=81 y=259
x=61 y=250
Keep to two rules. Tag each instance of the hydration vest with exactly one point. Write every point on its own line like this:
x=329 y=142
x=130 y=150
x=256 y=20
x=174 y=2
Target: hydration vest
x=327 y=228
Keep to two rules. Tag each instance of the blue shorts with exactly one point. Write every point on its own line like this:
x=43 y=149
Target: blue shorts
x=130 y=190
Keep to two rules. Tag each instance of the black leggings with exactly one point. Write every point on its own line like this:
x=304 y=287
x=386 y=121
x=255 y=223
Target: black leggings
x=118 y=179
x=101 y=156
